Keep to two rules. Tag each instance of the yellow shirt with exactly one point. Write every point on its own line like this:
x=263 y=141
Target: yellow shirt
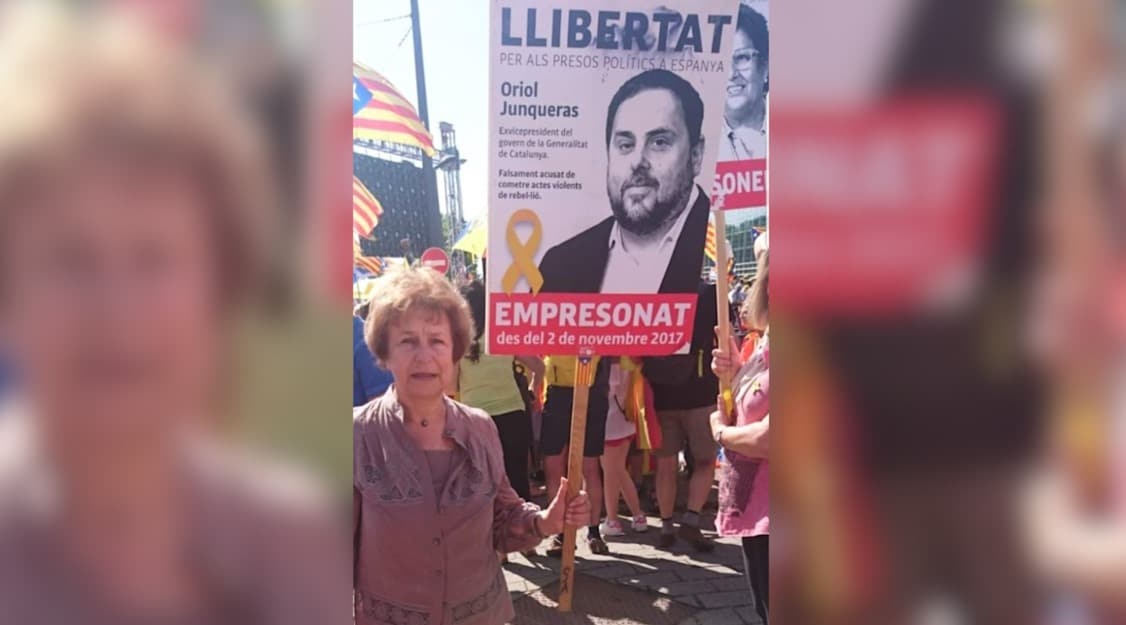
x=489 y=384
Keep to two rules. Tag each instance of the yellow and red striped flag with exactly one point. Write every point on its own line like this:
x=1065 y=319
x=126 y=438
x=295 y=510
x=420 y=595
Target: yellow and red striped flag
x=369 y=263
x=709 y=242
x=366 y=210
x=710 y=250
x=381 y=113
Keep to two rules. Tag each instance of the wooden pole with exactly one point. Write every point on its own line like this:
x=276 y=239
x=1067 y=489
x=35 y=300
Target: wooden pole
x=584 y=376
x=723 y=334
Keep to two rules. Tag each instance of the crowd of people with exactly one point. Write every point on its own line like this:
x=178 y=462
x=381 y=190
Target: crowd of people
x=442 y=424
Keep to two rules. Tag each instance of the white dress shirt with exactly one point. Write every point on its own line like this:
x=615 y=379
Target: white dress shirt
x=640 y=267
x=742 y=143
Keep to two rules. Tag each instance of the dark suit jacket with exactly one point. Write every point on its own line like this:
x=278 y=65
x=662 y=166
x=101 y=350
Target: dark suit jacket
x=578 y=264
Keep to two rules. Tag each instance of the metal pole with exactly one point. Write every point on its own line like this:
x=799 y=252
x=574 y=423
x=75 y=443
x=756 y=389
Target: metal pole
x=419 y=70
x=435 y=235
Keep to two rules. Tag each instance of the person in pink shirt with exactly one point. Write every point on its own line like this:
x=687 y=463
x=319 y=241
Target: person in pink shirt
x=744 y=486
x=432 y=502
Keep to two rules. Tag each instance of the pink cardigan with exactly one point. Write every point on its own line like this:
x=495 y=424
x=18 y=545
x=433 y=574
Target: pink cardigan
x=744 y=483
x=427 y=558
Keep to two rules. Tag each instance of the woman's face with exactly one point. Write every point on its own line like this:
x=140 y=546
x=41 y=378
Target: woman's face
x=111 y=300
x=420 y=355
x=747 y=79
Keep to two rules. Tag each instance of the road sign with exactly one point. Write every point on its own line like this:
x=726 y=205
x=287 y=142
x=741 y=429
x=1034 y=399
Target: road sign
x=437 y=259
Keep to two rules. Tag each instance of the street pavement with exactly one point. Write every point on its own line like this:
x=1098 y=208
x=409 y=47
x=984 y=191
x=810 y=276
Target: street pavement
x=603 y=603
x=637 y=583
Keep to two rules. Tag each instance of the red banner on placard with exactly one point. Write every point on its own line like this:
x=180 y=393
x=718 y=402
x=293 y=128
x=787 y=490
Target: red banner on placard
x=880 y=210
x=742 y=182
x=611 y=325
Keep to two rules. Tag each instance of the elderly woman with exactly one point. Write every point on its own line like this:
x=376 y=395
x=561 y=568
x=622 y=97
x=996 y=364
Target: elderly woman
x=744 y=491
x=130 y=198
x=432 y=503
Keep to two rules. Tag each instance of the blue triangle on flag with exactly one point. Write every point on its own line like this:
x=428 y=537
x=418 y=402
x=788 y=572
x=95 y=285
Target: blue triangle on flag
x=361 y=95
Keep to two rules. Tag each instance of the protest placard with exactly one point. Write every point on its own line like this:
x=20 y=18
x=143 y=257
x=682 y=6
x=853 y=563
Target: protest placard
x=603 y=120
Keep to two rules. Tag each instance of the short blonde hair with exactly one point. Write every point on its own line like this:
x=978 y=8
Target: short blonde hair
x=90 y=85
x=408 y=291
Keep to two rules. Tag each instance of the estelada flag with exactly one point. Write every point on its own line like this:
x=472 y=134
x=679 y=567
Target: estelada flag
x=369 y=263
x=366 y=210
x=381 y=113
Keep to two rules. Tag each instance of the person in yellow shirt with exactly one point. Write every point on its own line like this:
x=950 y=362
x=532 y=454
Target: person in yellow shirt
x=488 y=382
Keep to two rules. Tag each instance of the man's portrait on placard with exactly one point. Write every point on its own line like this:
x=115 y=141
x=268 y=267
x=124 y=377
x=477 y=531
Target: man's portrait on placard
x=652 y=239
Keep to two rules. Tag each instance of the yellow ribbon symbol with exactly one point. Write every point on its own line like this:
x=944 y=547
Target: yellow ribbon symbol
x=523 y=253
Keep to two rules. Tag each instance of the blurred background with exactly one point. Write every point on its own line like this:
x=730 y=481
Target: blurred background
x=949 y=302
x=946 y=207
x=286 y=372
x=281 y=60
x=285 y=59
